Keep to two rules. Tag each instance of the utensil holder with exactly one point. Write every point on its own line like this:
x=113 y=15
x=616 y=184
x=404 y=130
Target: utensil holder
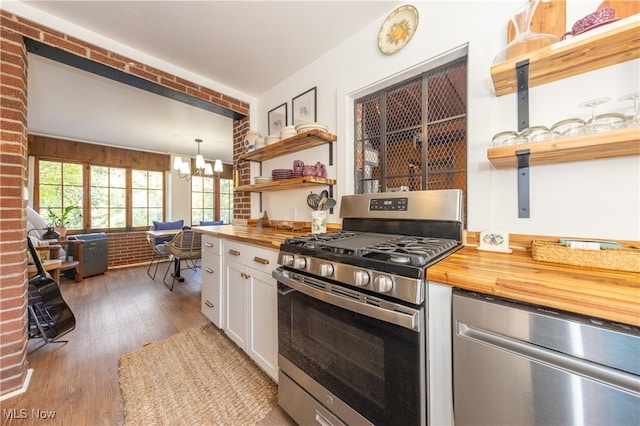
x=318 y=221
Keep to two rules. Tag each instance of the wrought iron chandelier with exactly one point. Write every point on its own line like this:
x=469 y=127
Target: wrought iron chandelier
x=203 y=169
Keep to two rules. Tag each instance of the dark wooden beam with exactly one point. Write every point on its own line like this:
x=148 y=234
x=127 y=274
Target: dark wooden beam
x=64 y=57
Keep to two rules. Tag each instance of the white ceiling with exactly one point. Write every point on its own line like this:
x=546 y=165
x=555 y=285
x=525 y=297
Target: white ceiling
x=248 y=46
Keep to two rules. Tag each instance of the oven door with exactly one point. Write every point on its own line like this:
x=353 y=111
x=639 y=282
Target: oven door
x=359 y=356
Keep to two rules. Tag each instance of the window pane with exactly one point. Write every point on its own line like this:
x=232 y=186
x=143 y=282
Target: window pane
x=99 y=218
x=196 y=216
x=138 y=179
x=50 y=196
x=60 y=189
x=99 y=197
x=118 y=218
x=72 y=174
x=197 y=200
x=207 y=215
x=50 y=172
x=208 y=201
x=208 y=185
x=139 y=217
x=155 y=198
x=117 y=178
x=196 y=184
x=155 y=180
x=99 y=176
x=155 y=214
x=118 y=197
x=138 y=198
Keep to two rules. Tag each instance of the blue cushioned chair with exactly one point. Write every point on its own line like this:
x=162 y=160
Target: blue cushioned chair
x=157 y=244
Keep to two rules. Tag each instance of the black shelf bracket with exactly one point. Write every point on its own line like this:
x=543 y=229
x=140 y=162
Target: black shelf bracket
x=330 y=154
x=522 y=79
x=524 y=209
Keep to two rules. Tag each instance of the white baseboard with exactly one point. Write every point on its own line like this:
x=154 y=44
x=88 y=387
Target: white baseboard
x=22 y=389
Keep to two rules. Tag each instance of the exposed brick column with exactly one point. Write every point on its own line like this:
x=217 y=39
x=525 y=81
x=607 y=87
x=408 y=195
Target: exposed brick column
x=241 y=200
x=13 y=244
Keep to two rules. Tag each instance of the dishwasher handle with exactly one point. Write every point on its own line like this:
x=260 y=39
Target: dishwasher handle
x=611 y=376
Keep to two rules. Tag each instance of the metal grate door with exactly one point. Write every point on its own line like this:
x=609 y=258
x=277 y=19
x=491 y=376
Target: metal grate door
x=413 y=135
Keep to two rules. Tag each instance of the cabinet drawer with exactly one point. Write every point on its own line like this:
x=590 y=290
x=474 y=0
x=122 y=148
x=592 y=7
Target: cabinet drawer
x=211 y=304
x=211 y=270
x=212 y=244
x=260 y=258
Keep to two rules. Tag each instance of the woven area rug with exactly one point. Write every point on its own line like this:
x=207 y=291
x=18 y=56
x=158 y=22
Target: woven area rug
x=197 y=377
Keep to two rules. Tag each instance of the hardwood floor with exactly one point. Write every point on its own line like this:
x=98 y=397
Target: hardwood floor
x=76 y=383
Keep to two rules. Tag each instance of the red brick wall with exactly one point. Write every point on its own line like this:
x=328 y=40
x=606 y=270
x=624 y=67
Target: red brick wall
x=13 y=173
x=241 y=200
x=127 y=248
x=13 y=243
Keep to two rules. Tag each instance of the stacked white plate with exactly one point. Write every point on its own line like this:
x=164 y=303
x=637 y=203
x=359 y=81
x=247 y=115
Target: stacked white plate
x=280 y=174
x=272 y=139
x=288 y=132
x=305 y=127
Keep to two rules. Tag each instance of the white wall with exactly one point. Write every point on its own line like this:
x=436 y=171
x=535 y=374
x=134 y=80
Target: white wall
x=598 y=198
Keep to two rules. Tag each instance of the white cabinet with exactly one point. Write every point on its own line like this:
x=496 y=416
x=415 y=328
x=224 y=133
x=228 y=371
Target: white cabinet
x=236 y=290
x=211 y=302
x=263 y=321
x=251 y=309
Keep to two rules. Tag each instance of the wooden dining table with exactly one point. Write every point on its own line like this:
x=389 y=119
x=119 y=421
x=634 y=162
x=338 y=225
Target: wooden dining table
x=152 y=233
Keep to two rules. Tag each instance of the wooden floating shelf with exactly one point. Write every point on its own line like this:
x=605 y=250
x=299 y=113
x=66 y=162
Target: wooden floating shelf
x=609 y=45
x=296 y=143
x=617 y=143
x=281 y=185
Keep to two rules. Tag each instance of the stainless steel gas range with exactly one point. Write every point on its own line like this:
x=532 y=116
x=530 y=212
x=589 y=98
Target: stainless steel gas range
x=352 y=326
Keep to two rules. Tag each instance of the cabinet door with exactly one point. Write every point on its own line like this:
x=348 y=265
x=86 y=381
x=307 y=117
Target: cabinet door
x=263 y=321
x=235 y=306
x=211 y=304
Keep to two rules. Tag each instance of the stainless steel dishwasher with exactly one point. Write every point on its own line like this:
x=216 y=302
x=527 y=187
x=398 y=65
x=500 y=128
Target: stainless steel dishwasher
x=519 y=364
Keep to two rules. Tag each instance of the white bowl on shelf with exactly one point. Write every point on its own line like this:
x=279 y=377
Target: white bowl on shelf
x=262 y=179
x=305 y=127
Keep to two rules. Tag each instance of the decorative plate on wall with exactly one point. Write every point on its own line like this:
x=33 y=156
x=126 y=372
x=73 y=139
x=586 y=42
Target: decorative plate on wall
x=397 y=29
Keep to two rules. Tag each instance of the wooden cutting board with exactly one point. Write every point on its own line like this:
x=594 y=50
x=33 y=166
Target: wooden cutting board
x=623 y=8
x=549 y=18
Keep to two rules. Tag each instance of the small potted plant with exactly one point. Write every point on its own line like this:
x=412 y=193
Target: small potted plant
x=60 y=221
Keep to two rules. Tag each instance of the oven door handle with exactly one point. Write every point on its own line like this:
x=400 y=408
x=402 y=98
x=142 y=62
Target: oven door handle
x=403 y=316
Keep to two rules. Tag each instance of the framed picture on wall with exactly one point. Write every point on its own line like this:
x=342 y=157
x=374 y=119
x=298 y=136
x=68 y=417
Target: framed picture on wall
x=277 y=119
x=304 y=107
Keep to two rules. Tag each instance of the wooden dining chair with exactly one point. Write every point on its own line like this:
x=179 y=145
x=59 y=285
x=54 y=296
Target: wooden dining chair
x=187 y=246
x=157 y=244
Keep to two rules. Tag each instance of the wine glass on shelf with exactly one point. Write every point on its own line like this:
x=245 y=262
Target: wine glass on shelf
x=632 y=120
x=593 y=126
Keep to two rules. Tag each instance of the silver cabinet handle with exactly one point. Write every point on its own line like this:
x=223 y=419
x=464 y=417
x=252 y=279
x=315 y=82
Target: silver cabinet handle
x=209 y=304
x=209 y=270
x=208 y=244
x=260 y=260
x=234 y=252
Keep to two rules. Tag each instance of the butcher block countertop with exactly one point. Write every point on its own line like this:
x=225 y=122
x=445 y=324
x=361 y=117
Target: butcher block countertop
x=265 y=237
x=611 y=295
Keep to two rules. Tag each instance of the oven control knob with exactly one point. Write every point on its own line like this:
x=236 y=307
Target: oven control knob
x=382 y=284
x=287 y=260
x=326 y=269
x=300 y=263
x=361 y=277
